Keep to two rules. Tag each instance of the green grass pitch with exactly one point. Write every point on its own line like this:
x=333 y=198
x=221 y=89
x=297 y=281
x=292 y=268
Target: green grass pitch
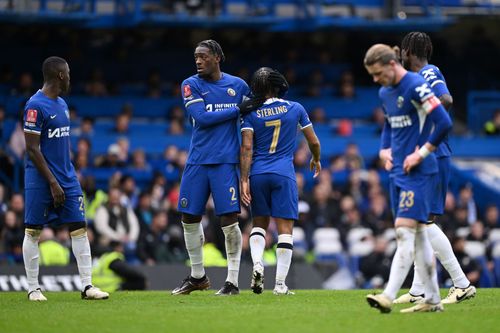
x=306 y=311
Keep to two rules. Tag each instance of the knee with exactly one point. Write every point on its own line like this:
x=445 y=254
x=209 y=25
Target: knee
x=77 y=229
x=188 y=218
x=228 y=219
x=33 y=232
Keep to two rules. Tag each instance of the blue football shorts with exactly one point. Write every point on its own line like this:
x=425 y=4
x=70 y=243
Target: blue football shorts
x=199 y=181
x=274 y=195
x=441 y=180
x=40 y=210
x=411 y=196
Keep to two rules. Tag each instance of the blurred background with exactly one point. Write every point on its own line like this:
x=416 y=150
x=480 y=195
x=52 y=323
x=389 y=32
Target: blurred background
x=130 y=133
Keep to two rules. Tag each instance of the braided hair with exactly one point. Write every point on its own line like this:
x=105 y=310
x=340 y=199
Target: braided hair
x=260 y=84
x=419 y=44
x=214 y=47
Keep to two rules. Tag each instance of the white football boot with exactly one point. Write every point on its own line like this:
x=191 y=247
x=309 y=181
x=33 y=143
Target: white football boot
x=36 y=295
x=457 y=295
x=91 y=292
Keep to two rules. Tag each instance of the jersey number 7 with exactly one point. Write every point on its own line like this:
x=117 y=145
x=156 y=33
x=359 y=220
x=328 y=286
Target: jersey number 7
x=276 y=134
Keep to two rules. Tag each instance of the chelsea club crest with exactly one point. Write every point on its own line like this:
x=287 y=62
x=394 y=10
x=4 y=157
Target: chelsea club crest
x=184 y=202
x=231 y=92
x=401 y=100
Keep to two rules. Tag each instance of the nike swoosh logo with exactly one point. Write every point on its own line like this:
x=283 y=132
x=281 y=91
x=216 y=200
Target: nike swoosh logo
x=204 y=93
x=52 y=117
x=460 y=298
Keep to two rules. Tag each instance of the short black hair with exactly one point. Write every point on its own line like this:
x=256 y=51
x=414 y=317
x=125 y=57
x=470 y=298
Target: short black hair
x=214 y=47
x=51 y=67
x=419 y=44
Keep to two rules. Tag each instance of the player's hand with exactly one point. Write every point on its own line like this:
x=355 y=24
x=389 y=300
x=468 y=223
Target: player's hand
x=246 y=198
x=278 y=80
x=386 y=156
x=315 y=166
x=57 y=194
x=412 y=161
x=251 y=104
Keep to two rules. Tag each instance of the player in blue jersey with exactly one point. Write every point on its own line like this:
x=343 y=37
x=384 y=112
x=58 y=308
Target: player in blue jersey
x=214 y=101
x=416 y=51
x=52 y=191
x=412 y=110
x=270 y=187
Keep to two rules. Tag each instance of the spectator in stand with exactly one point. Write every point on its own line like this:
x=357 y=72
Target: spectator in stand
x=376 y=266
x=122 y=124
x=139 y=161
x=52 y=252
x=124 y=145
x=86 y=128
x=17 y=144
x=346 y=88
x=3 y=201
x=477 y=233
x=130 y=192
x=111 y=159
x=491 y=217
x=17 y=205
x=93 y=198
x=116 y=222
x=492 y=127
x=154 y=84
x=466 y=199
x=154 y=245
x=470 y=266
x=144 y=210
x=318 y=116
x=96 y=85
x=176 y=128
x=353 y=158
x=378 y=118
x=25 y=86
x=12 y=237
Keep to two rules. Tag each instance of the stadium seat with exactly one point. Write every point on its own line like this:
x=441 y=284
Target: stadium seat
x=475 y=248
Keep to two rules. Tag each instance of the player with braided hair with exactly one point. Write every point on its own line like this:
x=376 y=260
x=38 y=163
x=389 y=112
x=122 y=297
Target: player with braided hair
x=268 y=184
x=416 y=52
x=214 y=101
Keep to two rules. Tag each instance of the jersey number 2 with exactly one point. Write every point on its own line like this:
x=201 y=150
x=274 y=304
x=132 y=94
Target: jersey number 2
x=276 y=134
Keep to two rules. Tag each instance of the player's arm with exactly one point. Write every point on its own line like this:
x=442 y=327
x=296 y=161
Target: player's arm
x=246 y=153
x=447 y=101
x=36 y=156
x=385 y=152
x=312 y=140
x=315 y=148
x=442 y=125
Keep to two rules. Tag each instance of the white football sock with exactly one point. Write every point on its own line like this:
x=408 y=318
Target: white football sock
x=194 y=239
x=81 y=250
x=417 y=286
x=232 y=235
x=442 y=247
x=31 y=255
x=424 y=262
x=257 y=245
x=402 y=261
x=283 y=257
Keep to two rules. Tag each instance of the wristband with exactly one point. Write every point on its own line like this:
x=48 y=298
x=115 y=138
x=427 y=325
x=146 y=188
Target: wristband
x=424 y=152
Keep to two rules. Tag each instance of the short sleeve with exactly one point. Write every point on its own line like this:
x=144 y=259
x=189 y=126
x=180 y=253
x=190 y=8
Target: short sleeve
x=246 y=123
x=436 y=81
x=422 y=94
x=190 y=93
x=303 y=117
x=33 y=119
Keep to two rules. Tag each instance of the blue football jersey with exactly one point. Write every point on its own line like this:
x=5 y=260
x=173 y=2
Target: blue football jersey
x=218 y=143
x=49 y=118
x=275 y=134
x=407 y=105
x=438 y=84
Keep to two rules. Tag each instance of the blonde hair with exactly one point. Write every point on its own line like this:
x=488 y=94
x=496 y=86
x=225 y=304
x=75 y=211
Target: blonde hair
x=381 y=53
